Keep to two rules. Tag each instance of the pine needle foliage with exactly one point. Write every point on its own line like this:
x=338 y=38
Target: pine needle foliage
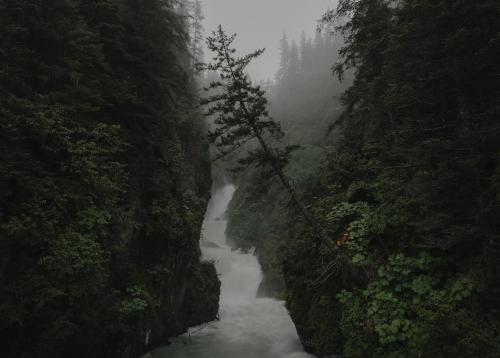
x=242 y=116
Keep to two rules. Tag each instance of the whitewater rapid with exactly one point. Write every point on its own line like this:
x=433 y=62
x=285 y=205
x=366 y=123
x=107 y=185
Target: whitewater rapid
x=249 y=327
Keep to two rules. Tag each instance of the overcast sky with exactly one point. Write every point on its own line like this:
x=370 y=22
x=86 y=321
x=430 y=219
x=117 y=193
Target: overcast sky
x=261 y=23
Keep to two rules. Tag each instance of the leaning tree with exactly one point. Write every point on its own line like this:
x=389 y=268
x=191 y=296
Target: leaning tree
x=241 y=114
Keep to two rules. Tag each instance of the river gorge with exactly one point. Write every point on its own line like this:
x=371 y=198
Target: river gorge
x=248 y=326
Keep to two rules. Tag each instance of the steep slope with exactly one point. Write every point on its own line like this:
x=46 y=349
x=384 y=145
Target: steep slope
x=104 y=180
x=410 y=191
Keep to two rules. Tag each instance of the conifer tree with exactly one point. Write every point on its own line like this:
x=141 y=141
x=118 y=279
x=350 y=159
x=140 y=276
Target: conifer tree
x=284 y=58
x=294 y=65
x=243 y=116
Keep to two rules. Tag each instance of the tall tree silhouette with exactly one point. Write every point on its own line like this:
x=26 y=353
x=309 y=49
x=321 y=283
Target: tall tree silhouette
x=242 y=113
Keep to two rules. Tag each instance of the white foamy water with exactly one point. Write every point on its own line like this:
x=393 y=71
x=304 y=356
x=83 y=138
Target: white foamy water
x=249 y=327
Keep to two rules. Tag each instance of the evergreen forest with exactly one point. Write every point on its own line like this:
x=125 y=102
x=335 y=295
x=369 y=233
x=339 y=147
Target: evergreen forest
x=364 y=183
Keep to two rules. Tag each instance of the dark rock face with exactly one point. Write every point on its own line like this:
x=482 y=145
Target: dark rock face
x=196 y=302
x=253 y=217
x=209 y=244
x=201 y=301
x=314 y=309
x=272 y=284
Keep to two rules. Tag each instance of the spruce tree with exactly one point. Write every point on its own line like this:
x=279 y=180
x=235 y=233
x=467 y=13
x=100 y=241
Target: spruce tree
x=242 y=116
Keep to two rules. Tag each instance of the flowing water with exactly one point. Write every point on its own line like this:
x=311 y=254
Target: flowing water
x=249 y=327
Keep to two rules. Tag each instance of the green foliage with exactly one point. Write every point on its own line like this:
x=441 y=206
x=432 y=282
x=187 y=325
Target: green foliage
x=104 y=177
x=301 y=101
x=240 y=108
x=399 y=312
x=408 y=187
x=201 y=301
x=410 y=184
x=135 y=304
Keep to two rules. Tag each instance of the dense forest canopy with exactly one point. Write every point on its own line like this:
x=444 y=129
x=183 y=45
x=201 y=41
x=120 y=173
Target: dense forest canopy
x=104 y=178
x=392 y=109
x=408 y=185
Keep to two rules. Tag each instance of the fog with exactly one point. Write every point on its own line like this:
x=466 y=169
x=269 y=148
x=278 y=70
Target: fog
x=261 y=23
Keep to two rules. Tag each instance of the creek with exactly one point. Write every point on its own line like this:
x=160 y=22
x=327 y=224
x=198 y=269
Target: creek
x=249 y=326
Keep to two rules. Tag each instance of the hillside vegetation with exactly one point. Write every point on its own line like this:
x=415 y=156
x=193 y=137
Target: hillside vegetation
x=104 y=179
x=407 y=183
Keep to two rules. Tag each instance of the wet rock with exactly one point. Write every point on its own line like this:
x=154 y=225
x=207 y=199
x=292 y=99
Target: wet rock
x=209 y=244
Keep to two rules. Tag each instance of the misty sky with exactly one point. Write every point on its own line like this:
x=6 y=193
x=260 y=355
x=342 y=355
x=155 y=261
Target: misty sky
x=261 y=23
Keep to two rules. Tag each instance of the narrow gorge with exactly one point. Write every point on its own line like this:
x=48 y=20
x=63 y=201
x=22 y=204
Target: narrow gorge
x=247 y=325
x=249 y=179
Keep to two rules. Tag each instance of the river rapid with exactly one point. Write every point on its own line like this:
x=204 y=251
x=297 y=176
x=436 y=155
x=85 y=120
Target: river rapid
x=249 y=327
